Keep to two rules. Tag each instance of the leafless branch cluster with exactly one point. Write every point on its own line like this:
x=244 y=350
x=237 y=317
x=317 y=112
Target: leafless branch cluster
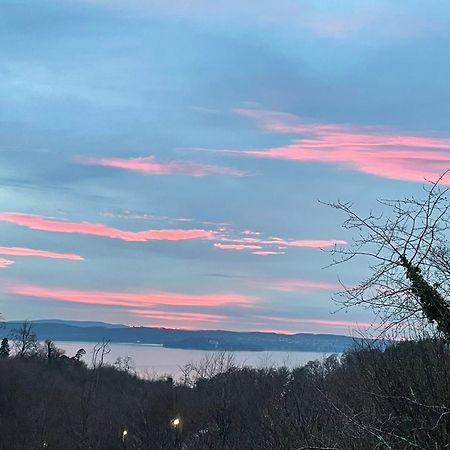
x=409 y=234
x=101 y=349
x=210 y=365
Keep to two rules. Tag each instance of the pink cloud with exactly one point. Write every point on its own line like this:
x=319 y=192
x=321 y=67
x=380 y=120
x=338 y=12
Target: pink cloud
x=22 y=251
x=322 y=322
x=237 y=246
x=371 y=150
x=315 y=243
x=295 y=285
x=5 y=263
x=36 y=222
x=267 y=253
x=281 y=243
x=128 y=299
x=177 y=316
x=149 y=165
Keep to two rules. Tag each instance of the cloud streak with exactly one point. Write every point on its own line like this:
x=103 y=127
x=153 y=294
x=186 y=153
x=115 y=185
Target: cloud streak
x=150 y=166
x=127 y=299
x=321 y=322
x=296 y=285
x=371 y=150
x=237 y=246
x=267 y=253
x=264 y=246
x=41 y=223
x=23 y=251
x=177 y=316
x=5 y=263
x=224 y=240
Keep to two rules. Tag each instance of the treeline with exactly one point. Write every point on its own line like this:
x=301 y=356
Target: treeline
x=396 y=398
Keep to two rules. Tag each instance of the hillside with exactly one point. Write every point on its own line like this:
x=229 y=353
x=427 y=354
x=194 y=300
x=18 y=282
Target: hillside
x=398 y=396
x=58 y=330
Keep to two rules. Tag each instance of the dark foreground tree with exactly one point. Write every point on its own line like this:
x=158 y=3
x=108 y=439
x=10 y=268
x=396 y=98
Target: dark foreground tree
x=4 y=348
x=409 y=257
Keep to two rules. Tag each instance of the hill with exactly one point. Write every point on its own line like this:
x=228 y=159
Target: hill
x=60 y=330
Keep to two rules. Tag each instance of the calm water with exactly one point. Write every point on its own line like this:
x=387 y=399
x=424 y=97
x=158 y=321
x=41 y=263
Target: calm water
x=155 y=361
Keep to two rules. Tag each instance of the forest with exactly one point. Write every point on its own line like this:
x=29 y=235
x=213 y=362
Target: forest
x=370 y=398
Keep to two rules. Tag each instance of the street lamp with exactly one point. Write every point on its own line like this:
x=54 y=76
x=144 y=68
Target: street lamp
x=176 y=425
x=124 y=435
x=176 y=422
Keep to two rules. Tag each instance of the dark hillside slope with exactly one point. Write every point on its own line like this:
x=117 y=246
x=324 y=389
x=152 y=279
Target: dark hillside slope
x=396 y=399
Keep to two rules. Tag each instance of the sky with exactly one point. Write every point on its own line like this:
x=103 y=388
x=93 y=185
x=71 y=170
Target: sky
x=163 y=162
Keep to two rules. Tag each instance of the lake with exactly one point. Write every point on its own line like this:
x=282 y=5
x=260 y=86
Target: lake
x=156 y=361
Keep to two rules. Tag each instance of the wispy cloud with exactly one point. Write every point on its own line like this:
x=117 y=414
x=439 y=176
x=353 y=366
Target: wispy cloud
x=265 y=246
x=150 y=166
x=322 y=322
x=225 y=239
x=141 y=215
x=127 y=299
x=5 y=263
x=371 y=150
x=267 y=253
x=314 y=243
x=23 y=251
x=236 y=246
x=36 y=222
x=295 y=285
x=177 y=316
x=251 y=233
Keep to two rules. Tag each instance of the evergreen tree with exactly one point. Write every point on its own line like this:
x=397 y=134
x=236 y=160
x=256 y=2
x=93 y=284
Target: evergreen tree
x=4 y=348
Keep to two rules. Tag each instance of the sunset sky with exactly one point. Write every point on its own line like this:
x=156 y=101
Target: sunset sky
x=162 y=161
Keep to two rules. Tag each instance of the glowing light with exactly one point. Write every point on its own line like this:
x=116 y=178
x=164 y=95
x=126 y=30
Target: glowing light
x=176 y=422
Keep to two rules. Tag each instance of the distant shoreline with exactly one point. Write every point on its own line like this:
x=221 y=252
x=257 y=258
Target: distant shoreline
x=204 y=340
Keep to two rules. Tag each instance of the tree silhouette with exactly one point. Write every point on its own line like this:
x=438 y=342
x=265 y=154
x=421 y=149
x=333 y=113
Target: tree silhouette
x=406 y=246
x=4 y=348
x=25 y=340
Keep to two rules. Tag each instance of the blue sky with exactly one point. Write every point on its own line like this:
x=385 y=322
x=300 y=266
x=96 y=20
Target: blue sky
x=161 y=162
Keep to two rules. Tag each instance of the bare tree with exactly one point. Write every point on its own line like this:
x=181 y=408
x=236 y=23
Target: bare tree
x=406 y=246
x=125 y=364
x=210 y=365
x=25 y=340
x=99 y=353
